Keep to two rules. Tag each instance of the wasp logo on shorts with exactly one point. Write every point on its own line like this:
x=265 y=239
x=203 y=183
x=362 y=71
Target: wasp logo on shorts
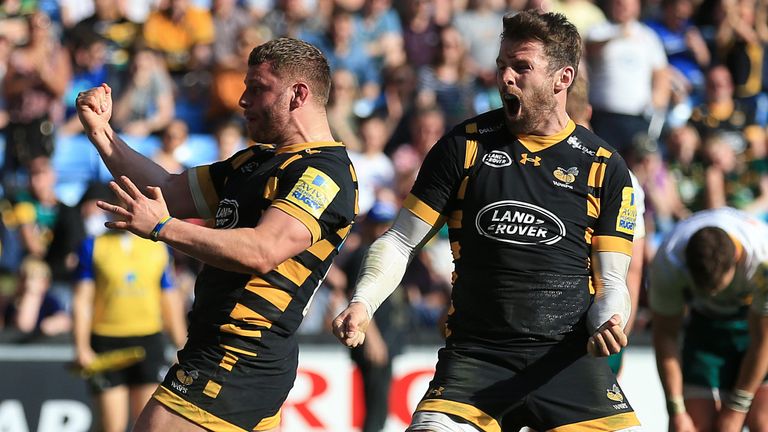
x=313 y=192
x=227 y=214
x=536 y=161
x=436 y=392
x=497 y=159
x=566 y=177
x=519 y=222
x=184 y=379
x=614 y=394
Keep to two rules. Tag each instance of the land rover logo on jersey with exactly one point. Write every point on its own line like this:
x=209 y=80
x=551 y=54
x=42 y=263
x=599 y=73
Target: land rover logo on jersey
x=497 y=159
x=227 y=214
x=519 y=223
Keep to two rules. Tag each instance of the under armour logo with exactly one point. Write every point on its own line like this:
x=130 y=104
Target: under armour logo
x=535 y=160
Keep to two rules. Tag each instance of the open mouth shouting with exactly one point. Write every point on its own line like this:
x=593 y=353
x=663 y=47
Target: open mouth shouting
x=512 y=105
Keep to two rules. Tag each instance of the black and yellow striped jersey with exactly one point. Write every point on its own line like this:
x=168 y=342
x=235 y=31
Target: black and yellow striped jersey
x=313 y=182
x=524 y=216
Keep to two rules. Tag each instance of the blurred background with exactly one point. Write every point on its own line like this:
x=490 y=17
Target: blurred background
x=688 y=113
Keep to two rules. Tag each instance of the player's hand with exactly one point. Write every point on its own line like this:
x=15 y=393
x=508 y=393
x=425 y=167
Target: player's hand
x=681 y=422
x=138 y=213
x=350 y=325
x=608 y=339
x=84 y=357
x=94 y=107
x=730 y=420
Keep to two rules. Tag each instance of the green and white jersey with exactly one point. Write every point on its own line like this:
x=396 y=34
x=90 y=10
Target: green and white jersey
x=671 y=284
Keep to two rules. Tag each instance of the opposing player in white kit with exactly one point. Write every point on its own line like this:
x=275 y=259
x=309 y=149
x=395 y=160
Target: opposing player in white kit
x=716 y=263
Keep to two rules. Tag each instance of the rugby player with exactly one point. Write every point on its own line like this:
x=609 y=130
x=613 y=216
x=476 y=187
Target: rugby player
x=541 y=219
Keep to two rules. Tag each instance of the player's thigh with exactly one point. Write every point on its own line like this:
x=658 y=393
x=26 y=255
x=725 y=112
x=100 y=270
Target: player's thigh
x=581 y=394
x=428 y=421
x=757 y=419
x=155 y=417
x=702 y=404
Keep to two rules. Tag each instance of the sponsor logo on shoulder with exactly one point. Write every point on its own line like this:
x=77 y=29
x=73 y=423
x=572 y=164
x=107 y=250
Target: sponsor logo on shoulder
x=520 y=223
x=614 y=394
x=627 y=213
x=576 y=143
x=565 y=177
x=489 y=129
x=227 y=214
x=497 y=159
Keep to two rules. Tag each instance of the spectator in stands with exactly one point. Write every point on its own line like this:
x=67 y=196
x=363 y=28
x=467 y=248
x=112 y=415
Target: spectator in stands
x=447 y=82
x=345 y=52
x=171 y=155
x=34 y=309
x=663 y=204
x=227 y=82
x=686 y=50
x=183 y=33
x=742 y=35
x=377 y=27
x=730 y=181
x=420 y=33
x=49 y=229
x=229 y=139
x=374 y=168
x=584 y=14
x=619 y=52
x=427 y=126
x=33 y=89
x=5 y=54
x=89 y=56
x=385 y=337
x=686 y=165
x=341 y=108
x=146 y=105
x=292 y=18
x=124 y=298
x=397 y=99
x=721 y=114
x=229 y=21
x=109 y=22
x=480 y=27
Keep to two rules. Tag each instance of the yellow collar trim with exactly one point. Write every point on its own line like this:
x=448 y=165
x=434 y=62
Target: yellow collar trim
x=535 y=143
x=293 y=148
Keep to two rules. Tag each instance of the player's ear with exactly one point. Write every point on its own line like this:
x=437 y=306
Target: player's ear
x=300 y=95
x=564 y=78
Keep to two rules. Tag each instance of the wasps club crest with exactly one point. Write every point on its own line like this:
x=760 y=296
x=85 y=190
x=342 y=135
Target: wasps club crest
x=185 y=377
x=566 y=176
x=614 y=394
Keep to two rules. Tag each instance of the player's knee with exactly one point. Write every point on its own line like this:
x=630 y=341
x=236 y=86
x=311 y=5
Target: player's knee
x=427 y=421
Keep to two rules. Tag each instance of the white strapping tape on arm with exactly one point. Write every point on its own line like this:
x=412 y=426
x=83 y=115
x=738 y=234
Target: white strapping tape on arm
x=612 y=295
x=387 y=259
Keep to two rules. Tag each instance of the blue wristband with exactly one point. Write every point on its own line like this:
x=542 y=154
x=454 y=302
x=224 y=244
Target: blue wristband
x=156 y=230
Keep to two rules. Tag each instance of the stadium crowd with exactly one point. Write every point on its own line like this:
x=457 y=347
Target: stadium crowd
x=679 y=87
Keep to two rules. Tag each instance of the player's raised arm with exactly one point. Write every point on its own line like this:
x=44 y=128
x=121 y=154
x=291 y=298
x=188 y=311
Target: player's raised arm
x=94 y=108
